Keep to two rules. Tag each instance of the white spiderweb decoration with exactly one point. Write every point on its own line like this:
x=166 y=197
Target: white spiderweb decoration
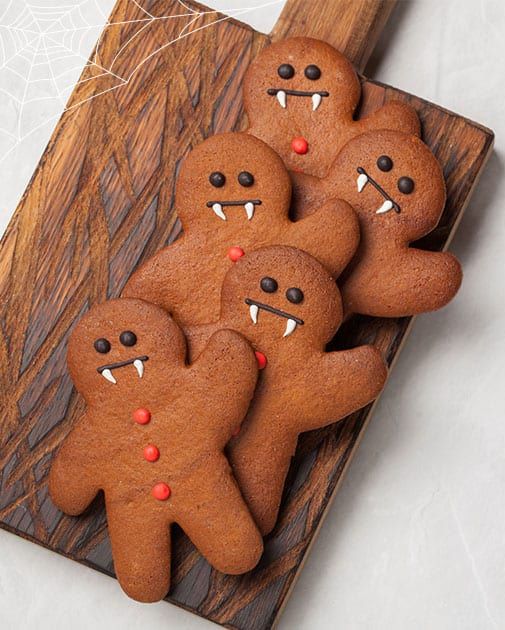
x=44 y=46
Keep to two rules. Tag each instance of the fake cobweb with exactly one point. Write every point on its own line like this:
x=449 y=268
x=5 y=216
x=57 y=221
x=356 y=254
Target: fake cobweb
x=45 y=44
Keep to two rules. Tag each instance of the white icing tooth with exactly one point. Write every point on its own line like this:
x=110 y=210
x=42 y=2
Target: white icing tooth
x=316 y=101
x=386 y=207
x=362 y=181
x=290 y=328
x=218 y=209
x=249 y=208
x=253 y=312
x=281 y=97
x=108 y=375
x=139 y=366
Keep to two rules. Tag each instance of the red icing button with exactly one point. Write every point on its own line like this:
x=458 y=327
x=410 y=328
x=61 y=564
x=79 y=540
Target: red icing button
x=235 y=252
x=300 y=146
x=161 y=491
x=261 y=359
x=151 y=453
x=142 y=416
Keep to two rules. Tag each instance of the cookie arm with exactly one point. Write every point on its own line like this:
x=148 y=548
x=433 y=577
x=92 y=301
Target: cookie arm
x=423 y=281
x=149 y=282
x=73 y=483
x=331 y=234
x=392 y=115
x=345 y=382
x=225 y=374
x=438 y=279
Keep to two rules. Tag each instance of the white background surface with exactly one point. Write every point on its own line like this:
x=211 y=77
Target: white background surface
x=416 y=536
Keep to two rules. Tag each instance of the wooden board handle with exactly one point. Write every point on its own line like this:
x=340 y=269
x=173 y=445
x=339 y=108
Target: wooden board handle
x=352 y=26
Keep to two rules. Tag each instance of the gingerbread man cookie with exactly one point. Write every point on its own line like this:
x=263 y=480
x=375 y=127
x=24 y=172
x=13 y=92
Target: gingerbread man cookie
x=288 y=306
x=300 y=95
x=233 y=195
x=152 y=438
x=396 y=186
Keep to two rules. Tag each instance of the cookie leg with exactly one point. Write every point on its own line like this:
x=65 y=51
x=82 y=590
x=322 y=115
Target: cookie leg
x=309 y=194
x=260 y=460
x=222 y=528
x=141 y=551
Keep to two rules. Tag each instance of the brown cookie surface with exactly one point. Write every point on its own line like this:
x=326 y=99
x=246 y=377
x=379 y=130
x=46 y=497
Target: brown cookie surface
x=396 y=186
x=288 y=306
x=152 y=438
x=300 y=95
x=233 y=195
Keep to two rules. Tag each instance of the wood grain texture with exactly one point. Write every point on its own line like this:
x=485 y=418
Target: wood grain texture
x=101 y=202
x=352 y=26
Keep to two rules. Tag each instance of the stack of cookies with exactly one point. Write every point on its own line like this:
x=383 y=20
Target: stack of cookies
x=200 y=378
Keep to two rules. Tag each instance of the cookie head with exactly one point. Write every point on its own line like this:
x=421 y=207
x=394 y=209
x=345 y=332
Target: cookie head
x=232 y=180
x=393 y=181
x=281 y=296
x=301 y=76
x=121 y=346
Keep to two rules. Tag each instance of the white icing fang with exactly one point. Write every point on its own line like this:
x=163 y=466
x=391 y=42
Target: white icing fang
x=218 y=209
x=249 y=208
x=316 y=101
x=253 y=312
x=362 y=181
x=386 y=207
x=281 y=97
x=139 y=366
x=107 y=374
x=290 y=328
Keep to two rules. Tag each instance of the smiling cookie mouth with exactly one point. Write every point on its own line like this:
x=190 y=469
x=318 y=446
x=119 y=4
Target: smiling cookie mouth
x=389 y=203
x=249 y=205
x=138 y=363
x=255 y=307
x=282 y=95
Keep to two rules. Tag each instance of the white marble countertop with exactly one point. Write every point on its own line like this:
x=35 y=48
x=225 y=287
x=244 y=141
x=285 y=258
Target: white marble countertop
x=415 y=538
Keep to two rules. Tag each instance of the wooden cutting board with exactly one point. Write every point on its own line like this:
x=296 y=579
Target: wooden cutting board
x=101 y=202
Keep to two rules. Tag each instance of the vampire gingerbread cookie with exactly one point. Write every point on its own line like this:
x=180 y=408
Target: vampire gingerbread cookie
x=233 y=195
x=288 y=306
x=396 y=186
x=300 y=95
x=152 y=439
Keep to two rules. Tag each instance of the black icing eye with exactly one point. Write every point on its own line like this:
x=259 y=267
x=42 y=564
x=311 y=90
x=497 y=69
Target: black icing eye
x=286 y=71
x=102 y=345
x=246 y=179
x=406 y=185
x=128 y=338
x=312 y=72
x=217 y=179
x=294 y=295
x=385 y=163
x=269 y=285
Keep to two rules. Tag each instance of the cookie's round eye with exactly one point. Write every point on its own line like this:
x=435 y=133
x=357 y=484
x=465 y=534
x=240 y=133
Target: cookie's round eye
x=245 y=179
x=217 y=179
x=269 y=285
x=294 y=295
x=312 y=72
x=406 y=185
x=385 y=163
x=102 y=345
x=128 y=338
x=286 y=71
